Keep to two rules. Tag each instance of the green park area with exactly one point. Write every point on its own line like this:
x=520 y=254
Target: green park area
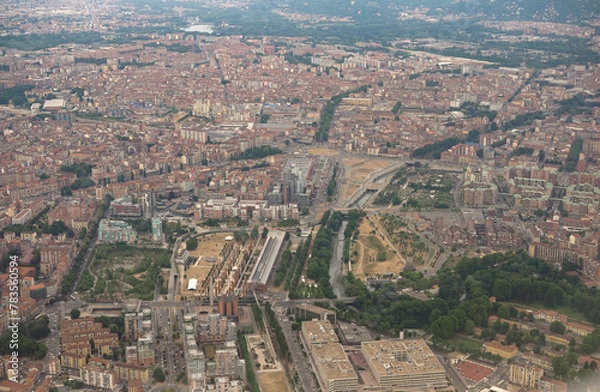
x=419 y=188
x=120 y=271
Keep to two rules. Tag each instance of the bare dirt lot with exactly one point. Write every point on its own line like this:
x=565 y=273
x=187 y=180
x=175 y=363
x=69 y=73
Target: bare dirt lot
x=323 y=152
x=208 y=251
x=368 y=247
x=357 y=170
x=271 y=376
x=273 y=381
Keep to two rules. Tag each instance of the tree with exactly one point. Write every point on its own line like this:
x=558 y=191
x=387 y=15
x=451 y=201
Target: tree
x=560 y=366
x=265 y=232
x=557 y=327
x=473 y=136
x=469 y=327
x=502 y=290
x=504 y=312
x=192 y=243
x=443 y=327
x=75 y=313
x=158 y=374
x=541 y=155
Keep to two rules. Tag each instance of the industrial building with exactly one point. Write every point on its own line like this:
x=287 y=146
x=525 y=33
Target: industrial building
x=262 y=269
x=401 y=364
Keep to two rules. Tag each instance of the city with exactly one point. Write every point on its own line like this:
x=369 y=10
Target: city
x=241 y=195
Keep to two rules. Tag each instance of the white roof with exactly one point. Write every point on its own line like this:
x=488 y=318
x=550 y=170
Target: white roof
x=192 y=284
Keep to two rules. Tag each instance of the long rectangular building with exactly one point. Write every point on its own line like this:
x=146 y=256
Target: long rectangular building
x=334 y=370
x=262 y=269
x=317 y=332
x=399 y=364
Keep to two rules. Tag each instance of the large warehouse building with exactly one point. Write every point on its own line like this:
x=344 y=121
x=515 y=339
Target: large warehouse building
x=262 y=269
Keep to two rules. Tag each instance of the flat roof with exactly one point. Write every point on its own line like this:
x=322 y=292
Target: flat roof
x=315 y=309
x=318 y=331
x=401 y=357
x=192 y=284
x=333 y=362
x=266 y=259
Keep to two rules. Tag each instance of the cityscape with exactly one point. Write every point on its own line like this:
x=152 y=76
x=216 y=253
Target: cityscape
x=268 y=196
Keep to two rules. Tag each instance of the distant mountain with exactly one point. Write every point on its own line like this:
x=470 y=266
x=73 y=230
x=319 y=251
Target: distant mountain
x=547 y=10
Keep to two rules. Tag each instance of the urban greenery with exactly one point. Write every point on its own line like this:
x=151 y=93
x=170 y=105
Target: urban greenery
x=280 y=339
x=69 y=280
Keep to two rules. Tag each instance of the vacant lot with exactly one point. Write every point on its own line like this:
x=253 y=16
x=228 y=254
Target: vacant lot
x=371 y=254
x=208 y=252
x=323 y=152
x=356 y=172
x=273 y=381
x=210 y=245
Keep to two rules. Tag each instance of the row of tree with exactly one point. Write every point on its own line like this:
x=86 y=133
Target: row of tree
x=69 y=281
x=295 y=269
x=354 y=218
x=250 y=375
x=317 y=268
x=322 y=133
x=280 y=339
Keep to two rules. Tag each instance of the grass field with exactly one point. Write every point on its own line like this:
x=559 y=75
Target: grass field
x=408 y=243
x=567 y=311
x=374 y=242
x=471 y=345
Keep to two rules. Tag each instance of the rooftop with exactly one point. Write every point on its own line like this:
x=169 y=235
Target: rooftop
x=401 y=357
x=333 y=361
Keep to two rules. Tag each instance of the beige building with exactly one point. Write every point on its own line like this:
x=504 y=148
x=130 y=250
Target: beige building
x=126 y=371
x=505 y=352
x=311 y=312
x=406 y=363
x=317 y=332
x=334 y=370
x=526 y=375
x=99 y=377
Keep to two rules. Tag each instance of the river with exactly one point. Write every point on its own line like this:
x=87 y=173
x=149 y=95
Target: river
x=336 y=266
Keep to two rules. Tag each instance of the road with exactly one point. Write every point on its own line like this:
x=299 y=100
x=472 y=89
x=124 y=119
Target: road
x=86 y=260
x=301 y=362
x=451 y=374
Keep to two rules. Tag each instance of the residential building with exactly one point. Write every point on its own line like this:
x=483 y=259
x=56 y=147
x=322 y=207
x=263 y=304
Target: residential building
x=111 y=231
x=495 y=348
x=526 y=375
x=97 y=376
